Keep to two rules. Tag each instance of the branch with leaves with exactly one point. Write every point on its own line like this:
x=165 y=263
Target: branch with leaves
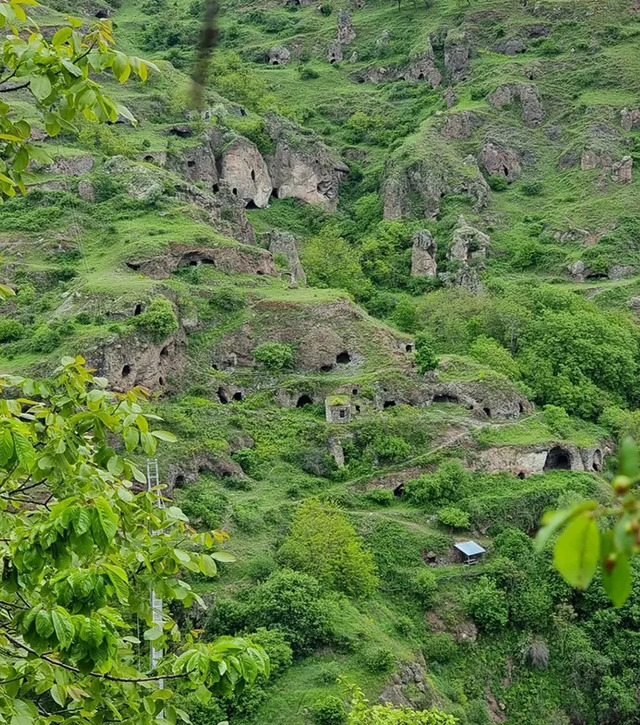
x=59 y=76
x=75 y=575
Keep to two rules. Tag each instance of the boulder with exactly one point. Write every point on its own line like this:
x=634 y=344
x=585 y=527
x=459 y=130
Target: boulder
x=421 y=68
x=245 y=172
x=423 y=254
x=450 y=97
x=334 y=52
x=532 y=109
x=86 y=190
x=468 y=242
x=457 y=55
x=302 y=167
x=346 y=31
x=460 y=126
x=71 y=165
x=630 y=119
x=285 y=243
x=621 y=170
x=279 y=55
x=498 y=160
x=514 y=46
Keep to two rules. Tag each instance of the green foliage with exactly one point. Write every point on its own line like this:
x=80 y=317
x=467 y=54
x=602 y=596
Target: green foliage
x=381 y=496
x=449 y=483
x=378 y=659
x=229 y=299
x=424 y=586
x=10 y=330
x=84 y=557
x=557 y=419
x=158 y=321
x=273 y=355
x=488 y=605
x=362 y=713
x=405 y=316
x=454 y=517
x=324 y=544
x=498 y=183
x=425 y=357
x=329 y=711
x=488 y=351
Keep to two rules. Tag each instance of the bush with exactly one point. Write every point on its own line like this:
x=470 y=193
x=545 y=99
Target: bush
x=308 y=74
x=10 y=330
x=405 y=316
x=487 y=605
x=531 y=188
x=439 y=647
x=449 y=483
x=273 y=355
x=329 y=711
x=159 y=320
x=277 y=648
x=229 y=299
x=323 y=543
x=497 y=183
x=557 y=419
x=425 y=357
x=44 y=340
x=488 y=351
x=424 y=586
x=381 y=496
x=454 y=518
x=378 y=659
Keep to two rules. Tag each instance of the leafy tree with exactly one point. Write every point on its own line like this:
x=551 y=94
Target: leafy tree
x=59 y=74
x=425 y=357
x=82 y=548
x=329 y=711
x=405 y=316
x=488 y=605
x=424 y=586
x=362 y=713
x=449 y=483
x=274 y=355
x=454 y=518
x=490 y=352
x=10 y=330
x=158 y=320
x=322 y=542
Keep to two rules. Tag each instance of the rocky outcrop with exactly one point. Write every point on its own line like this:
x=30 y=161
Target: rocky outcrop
x=245 y=172
x=303 y=167
x=71 y=165
x=630 y=119
x=619 y=171
x=193 y=164
x=135 y=360
x=279 y=55
x=532 y=108
x=346 y=31
x=457 y=55
x=460 y=126
x=285 y=243
x=421 y=67
x=189 y=469
x=423 y=254
x=334 y=52
x=513 y=46
x=410 y=687
x=416 y=179
x=86 y=190
x=498 y=160
x=232 y=259
x=468 y=243
x=527 y=460
x=450 y=97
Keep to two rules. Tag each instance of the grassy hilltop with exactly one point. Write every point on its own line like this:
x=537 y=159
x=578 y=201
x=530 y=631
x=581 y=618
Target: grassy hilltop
x=249 y=261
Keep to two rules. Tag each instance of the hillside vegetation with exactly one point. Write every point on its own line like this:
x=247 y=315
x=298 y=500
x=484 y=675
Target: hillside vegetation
x=383 y=284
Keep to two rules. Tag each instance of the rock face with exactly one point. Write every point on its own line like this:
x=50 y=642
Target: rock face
x=410 y=687
x=532 y=109
x=134 y=360
x=421 y=67
x=285 y=243
x=86 y=190
x=414 y=184
x=621 y=170
x=193 y=164
x=423 y=254
x=334 y=52
x=457 y=55
x=498 y=160
x=514 y=46
x=630 y=119
x=279 y=55
x=468 y=242
x=245 y=172
x=526 y=460
x=71 y=165
x=303 y=168
x=460 y=126
x=233 y=259
x=346 y=31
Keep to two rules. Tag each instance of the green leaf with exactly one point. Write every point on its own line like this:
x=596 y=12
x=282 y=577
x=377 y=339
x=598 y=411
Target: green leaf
x=57 y=693
x=62 y=626
x=224 y=556
x=44 y=624
x=6 y=446
x=628 y=458
x=62 y=36
x=577 y=551
x=207 y=565
x=131 y=438
x=554 y=520
x=40 y=87
x=24 y=450
x=107 y=517
x=616 y=571
x=164 y=435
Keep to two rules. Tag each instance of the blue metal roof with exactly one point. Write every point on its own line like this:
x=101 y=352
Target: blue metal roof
x=469 y=548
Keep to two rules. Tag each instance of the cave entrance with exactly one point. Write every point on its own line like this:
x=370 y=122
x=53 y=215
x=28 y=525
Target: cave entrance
x=597 y=461
x=487 y=412
x=304 y=400
x=251 y=205
x=398 y=491
x=238 y=396
x=149 y=159
x=191 y=163
x=179 y=482
x=253 y=175
x=558 y=459
x=445 y=399
x=343 y=358
x=222 y=396
x=326 y=368
x=126 y=371
x=138 y=310
x=389 y=404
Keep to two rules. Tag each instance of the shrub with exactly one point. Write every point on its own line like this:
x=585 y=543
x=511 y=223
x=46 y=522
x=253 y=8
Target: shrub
x=10 y=330
x=424 y=586
x=449 y=483
x=488 y=606
x=273 y=355
x=229 y=299
x=390 y=449
x=378 y=659
x=329 y=711
x=488 y=351
x=439 y=647
x=497 y=183
x=308 y=74
x=405 y=316
x=362 y=713
x=454 y=517
x=248 y=460
x=322 y=542
x=557 y=419
x=45 y=339
x=425 y=357
x=381 y=496
x=159 y=320
x=531 y=188
x=290 y=601
x=277 y=648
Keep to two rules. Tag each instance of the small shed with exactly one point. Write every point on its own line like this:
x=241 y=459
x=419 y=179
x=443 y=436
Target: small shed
x=470 y=552
x=338 y=409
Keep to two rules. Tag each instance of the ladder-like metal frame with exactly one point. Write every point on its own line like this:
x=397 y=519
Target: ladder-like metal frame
x=153 y=481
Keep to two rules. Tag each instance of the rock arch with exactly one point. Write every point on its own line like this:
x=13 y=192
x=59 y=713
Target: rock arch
x=558 y=459
x=304 y=400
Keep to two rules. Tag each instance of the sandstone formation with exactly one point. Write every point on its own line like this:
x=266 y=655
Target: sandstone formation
x=279 y=55
x=457 y=55
x=285 y=243
x=245 y=172
x=460 y=126
x=423 y=254
x=498 y=160
x=532 y=108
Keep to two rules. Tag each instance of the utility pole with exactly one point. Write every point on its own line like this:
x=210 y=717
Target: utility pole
x=153 y=481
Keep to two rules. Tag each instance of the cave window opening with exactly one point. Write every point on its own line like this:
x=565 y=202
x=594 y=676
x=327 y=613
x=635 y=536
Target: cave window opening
x=326 y=368
x=357 y=408
x=420 y=76
x=126 y=371
x=408 y=347
x=304 y=400
x=343 y=358
x=161 y=380
x=191 y=163
x=253 y=175
x=521 y=475
x=597 y=461
x=251 y=204
x=179 y=482
x=487 y=412
x=342 y=413
x=274 y=193
x=102 y=14
x=445 y=399
x=398 y=491
x=215 y=188
x=138 y=310
x=214 y=366
x=238 y=396
x=234 y=191
x=164 y=352
x=558 y=459
x=389 y=403
x=355 y=391
x=222 y=396
x=149 y=159
x=521 y=407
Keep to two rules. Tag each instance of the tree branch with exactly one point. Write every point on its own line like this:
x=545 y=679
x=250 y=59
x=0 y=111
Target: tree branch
x=70 y=668
x=15 y=88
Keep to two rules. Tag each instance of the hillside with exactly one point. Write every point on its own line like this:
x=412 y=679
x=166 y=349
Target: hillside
x=383 y=283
